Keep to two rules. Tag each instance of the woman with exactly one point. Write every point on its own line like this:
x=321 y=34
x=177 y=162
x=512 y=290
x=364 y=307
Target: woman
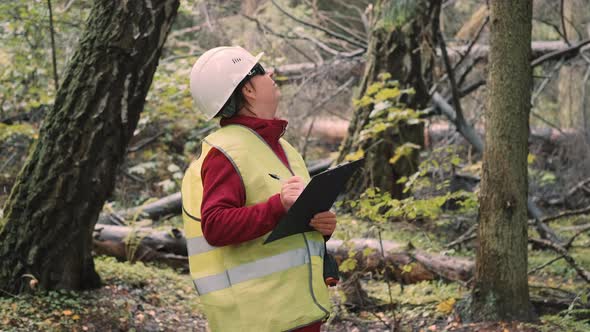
x=230 y=204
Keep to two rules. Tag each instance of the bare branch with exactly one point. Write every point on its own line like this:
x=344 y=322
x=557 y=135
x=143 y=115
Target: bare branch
x=317 y=27
x=585 y=275
x=581 y=231
x=353 y=34
x=330 y=50
x=542 y=266
x=565 y=53
x=565 y=214
x=462 y=127
x=265 y=28
x=473 y=41
x=451 y=75
x=472 y=87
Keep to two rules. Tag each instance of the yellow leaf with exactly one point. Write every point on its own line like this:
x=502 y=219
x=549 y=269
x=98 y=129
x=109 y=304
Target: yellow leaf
x=446 y=307
x=67 y=312
x=360 y=153
x=75 y=317
x=386 y=94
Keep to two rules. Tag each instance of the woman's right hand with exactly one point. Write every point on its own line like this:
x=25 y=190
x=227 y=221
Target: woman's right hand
x=291 y=189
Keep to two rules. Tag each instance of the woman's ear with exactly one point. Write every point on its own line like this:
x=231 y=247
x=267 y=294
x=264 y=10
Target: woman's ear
x=248 y=91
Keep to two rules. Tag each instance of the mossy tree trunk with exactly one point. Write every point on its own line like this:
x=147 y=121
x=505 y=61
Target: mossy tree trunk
x=46 y=233
x=401 y=44
x=501 y=288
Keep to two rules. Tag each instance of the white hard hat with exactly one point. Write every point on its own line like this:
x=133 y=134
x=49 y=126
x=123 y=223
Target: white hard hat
x=216 y=74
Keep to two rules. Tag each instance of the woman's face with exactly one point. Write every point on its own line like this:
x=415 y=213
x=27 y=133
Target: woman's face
x=265 y=93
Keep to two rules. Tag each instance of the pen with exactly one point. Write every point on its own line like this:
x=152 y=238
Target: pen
x=274 y=176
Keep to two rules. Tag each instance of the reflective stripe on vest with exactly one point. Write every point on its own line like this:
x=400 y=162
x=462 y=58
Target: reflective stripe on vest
x=258 y=268
x=198 y=245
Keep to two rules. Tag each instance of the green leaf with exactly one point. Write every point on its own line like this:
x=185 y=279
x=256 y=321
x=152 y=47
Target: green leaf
x=348 y=264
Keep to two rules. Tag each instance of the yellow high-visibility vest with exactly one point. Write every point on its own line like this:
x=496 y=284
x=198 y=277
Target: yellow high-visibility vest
x=254 y=286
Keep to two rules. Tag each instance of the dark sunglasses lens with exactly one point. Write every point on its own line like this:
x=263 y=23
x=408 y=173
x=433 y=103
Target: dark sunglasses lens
x=260 y=70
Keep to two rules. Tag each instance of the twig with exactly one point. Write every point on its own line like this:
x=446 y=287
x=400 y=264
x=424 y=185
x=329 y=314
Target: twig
x=329 y=49
x=336 y=92
x=7 y=161
x=469 y=69
x=570 y=213
x=317 y=27
x=546 y=80
x=577 y=187
x=315 y=107
x=554 y=26
x=455 y=93
x=473 y=41
x=547 y=122
x=265 y=28
x=306 y=141
x=52 y=33
x=542 y=266
x=582 y=230
x=472 y=87
x=565 y=53
x=573 y=228
x=362 y=16
x=467 y=236
x=145 y=142
x=585 y=275
x=8 y=293
x=134 y=177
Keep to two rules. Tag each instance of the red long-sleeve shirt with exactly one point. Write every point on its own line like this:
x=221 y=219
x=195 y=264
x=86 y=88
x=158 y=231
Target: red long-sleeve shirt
x=225 y=219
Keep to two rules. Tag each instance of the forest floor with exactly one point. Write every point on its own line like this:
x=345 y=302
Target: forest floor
x=141 y=297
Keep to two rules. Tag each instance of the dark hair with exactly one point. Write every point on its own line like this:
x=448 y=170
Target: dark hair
x=236 y=100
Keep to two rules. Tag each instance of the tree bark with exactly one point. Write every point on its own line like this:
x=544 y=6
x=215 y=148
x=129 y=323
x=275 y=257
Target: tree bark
x=501 y=289
x=401 y=45
x=50 y=214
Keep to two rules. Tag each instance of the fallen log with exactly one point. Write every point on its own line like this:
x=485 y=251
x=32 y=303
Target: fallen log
x=395 y=263
x=172 y=204
x=169 y=205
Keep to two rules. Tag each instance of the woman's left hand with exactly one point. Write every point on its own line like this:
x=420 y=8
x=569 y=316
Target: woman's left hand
x=324 y=222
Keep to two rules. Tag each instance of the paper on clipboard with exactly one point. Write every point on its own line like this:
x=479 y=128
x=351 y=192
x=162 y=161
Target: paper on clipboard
x=318 y=196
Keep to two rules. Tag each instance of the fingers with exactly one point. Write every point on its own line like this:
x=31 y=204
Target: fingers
x=324 y=222
x=295 y=179
x=324 y=229
x=291 y=190
x=325 y=214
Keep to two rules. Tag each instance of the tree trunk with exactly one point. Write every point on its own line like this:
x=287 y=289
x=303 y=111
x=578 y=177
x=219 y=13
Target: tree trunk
x=50 y=214
x=501 y=289
x=574 y=101
x=401 y=44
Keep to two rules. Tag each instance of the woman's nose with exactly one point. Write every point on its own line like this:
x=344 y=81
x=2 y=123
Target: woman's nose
x=270 y=72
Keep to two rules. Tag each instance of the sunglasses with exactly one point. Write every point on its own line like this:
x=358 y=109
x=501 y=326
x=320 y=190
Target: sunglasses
x=256 y=70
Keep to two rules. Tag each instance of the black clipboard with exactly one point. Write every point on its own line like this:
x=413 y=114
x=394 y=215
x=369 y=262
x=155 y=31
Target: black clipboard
x=319 y=195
